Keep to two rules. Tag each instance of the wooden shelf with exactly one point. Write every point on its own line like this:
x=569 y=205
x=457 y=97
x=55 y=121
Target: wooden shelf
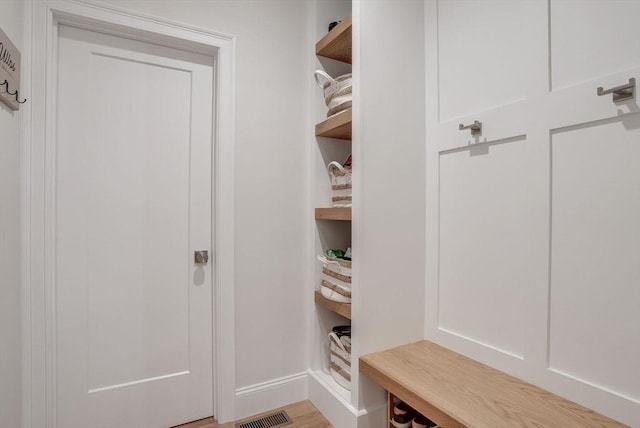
x=343 y=309
x=455 y=391
x=336 y=44
x=336 y=126
x=343 y=214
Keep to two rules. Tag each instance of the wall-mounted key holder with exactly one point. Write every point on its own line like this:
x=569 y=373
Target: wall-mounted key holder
x=12 y=93
x=9 y=73
x=622 y=92
x=475 y=127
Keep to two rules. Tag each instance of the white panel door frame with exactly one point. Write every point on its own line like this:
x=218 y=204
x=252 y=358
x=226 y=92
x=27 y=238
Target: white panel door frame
x=42 y=19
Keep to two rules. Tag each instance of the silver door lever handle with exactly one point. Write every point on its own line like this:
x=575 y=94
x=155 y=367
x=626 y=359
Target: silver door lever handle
x=475 y=127
x=201 y=257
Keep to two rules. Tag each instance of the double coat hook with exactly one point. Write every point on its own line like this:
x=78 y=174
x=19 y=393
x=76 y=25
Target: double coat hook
x=6 y=86
x=620 y=93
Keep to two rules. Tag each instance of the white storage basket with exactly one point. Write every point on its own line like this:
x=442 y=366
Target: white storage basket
x=338 y=94
x=336 y=279
x=340 y=185
x=340 y=360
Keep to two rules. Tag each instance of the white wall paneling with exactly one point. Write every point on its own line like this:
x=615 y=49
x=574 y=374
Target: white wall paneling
x=484 y=243
x=594 y=286
x=580 y=54
x=477 y=68
x=532 y=227
x=594 y=316
x=485 y=194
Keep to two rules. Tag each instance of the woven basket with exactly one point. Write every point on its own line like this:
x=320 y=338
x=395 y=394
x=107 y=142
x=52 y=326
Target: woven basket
x=340 y=185
x=336 y=279
x=337 y=92
x=340 y=359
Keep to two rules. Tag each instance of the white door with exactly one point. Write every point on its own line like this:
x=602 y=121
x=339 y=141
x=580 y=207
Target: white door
x=133 y=203
x=535 y=223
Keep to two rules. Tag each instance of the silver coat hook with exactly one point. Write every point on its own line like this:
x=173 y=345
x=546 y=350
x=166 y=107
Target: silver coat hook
x=475 y=127
x=622 y=92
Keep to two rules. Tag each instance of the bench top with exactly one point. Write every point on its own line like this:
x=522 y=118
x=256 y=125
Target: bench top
x=456 y=391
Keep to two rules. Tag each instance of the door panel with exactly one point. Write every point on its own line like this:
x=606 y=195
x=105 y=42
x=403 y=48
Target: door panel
x=592 y=39
x=595 y=274
x=146 y=205
x=133 y=201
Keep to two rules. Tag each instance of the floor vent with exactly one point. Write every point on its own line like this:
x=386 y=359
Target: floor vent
x=278 y=419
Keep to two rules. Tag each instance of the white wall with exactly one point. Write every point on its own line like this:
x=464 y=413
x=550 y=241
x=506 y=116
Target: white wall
x=390 y=128
x=10 y=140
x=272 y=79
x=389 y=198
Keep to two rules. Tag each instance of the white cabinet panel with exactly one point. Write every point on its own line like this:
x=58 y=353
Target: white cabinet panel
x=477 y=68
x=591 y=39
x=485 y=244
x=595 y=271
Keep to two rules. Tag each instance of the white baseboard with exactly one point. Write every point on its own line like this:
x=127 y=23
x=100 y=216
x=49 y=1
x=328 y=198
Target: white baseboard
x=265 y=396
x=335 y=404
x=373 y=418
x=332 y=401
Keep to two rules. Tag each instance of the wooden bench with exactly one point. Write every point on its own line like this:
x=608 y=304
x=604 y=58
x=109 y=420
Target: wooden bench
x=456 y=391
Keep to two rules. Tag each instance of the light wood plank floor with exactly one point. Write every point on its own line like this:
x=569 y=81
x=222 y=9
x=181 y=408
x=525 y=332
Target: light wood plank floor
x=303 y=414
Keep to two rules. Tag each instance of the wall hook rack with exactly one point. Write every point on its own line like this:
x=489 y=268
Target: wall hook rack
x=15 y=93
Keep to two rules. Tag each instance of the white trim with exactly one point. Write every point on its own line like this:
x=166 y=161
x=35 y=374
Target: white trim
x=261 y=397
x=42 y=18
x=137 y=382
x=334 y=404
x=25 y=209
x=270 y=384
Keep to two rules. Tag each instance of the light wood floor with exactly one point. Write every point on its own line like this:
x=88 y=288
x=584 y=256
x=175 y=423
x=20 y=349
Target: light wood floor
x=303 y=414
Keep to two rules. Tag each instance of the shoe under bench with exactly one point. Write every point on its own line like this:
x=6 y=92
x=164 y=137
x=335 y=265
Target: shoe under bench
x=455 y=391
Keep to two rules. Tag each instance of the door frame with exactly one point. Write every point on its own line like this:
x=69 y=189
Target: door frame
x=38 y=189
